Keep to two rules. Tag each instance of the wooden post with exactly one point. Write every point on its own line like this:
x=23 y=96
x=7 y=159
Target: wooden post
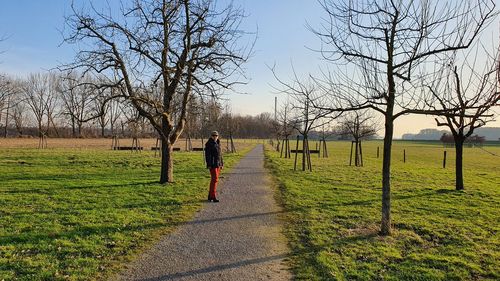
x=115 y=142
x=303 y=153
x=288 y=148
x=308 y=155
x=203 y=149
x=135 y=144
x=296 y=152
x=356 y=153
x=42 y=141
x=281 y=150
x=350 y=157
x=318 y=148
x=360 y=154
x=157 y=147
x=233 y=147
x=444 y=159
x=189 y=143
x=325 y=150
x=404 y=155
x=378 y=151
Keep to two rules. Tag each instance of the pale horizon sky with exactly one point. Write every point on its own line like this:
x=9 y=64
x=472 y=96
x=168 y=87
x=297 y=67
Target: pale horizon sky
x=34 y=43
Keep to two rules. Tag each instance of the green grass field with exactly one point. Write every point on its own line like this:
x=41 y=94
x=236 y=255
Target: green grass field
x=333 y=215
x=73 y=214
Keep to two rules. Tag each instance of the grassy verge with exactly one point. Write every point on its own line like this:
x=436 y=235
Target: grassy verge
x=333 y=215
x=69 y=214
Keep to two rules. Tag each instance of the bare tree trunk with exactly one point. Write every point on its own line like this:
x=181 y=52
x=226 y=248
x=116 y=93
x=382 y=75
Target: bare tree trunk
x=73 y=127
x=40 y=128
x=459 y=176
x=166 y=173
x=47 y=129
x=79 y=129
x=386 y=177
x=56 y=131
x=356 y=152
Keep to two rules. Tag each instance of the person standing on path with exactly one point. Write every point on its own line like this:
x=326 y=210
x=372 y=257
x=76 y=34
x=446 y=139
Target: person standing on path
x=213 y=157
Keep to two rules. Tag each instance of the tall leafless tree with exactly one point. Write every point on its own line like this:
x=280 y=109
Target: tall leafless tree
x=160 y=51
x=19 y=117
x=39 y=91
x=103 y=109
x=471 y=93
x=114 y=115
x=380 y=47
x=76 y=96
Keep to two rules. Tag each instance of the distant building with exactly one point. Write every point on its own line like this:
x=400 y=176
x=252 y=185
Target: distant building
x=489 y=134
x=426 y=134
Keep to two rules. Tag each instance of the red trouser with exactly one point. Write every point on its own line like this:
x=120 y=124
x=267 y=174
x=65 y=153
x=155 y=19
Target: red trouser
x=214 y=174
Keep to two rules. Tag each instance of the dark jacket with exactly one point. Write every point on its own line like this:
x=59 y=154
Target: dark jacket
x=213 y=155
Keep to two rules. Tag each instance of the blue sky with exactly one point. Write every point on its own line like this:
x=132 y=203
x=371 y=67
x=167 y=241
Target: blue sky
x=34 y=43
x=33 y=30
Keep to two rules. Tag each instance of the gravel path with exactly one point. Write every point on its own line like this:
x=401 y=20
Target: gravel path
x=237 y=239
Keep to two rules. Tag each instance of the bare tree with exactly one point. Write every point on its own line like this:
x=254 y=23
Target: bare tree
x=305 y=117
x=285 y=127
x=357 y=125
x=76 y=96
x=211 y=116
x=103 y=110
x=160 y=51
x=386 y=46
x=37 y=96
x=114 y=114
x=471 y=94
x=19 y=116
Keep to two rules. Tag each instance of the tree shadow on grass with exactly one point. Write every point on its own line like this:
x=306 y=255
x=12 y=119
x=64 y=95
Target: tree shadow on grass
x=78 y=210
x=43 y=190
x=77 y=232
x=428 y=194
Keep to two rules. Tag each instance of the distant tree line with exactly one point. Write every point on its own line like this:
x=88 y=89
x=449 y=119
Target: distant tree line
x=69 y=105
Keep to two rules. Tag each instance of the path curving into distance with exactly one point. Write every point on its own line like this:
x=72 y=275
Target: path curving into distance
x=239 y=238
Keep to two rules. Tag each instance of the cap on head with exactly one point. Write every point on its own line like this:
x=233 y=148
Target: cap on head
x=215 y=133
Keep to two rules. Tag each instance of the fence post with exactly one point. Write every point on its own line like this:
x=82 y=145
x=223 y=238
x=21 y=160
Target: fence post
x=350 y=156
x=296 y=151
x=444 y=159
x=378 y=151
x=404 y=155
